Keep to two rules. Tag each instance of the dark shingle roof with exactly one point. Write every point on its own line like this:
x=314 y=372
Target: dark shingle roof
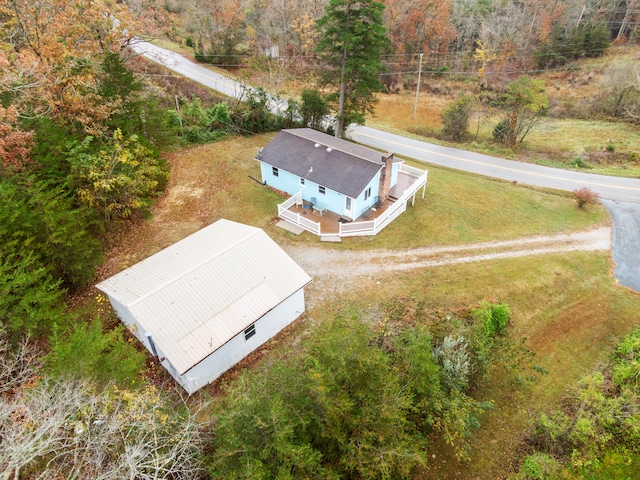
x=334 y=163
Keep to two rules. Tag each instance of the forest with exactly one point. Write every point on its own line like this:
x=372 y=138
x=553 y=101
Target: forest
x=86 y=130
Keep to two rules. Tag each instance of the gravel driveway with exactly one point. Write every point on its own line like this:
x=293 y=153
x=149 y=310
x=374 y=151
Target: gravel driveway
x=331 y=269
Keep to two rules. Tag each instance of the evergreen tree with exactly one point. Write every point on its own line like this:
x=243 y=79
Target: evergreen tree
x=313 y=109
x=352 y=39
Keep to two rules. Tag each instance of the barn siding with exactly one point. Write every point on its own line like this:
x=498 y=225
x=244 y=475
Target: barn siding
x=199 y=294
x=237 y=348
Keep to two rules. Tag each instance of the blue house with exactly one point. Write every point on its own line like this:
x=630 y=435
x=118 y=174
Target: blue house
x=330 y=173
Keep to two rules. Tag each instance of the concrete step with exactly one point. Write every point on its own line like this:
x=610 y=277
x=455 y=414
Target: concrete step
x=330 y=238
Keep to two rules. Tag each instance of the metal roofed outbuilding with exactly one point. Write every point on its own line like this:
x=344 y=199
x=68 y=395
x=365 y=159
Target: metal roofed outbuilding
x=204 y=303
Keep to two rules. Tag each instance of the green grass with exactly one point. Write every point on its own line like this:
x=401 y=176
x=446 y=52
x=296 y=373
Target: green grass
x=461 y=208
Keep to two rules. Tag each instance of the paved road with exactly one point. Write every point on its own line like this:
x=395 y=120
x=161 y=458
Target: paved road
x=200 y=74
x=621 y=196
x=614 y=188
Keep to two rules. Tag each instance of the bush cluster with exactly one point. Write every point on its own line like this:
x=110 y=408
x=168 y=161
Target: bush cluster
x=596 y=435
x=360 y=400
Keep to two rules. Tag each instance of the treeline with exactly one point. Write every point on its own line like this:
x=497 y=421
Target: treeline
x=515 y=36
x=81 y=133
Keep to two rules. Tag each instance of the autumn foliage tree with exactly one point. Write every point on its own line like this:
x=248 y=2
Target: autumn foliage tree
x=50 y=56
x=416 y=26
x=15 y=145
x=118 y=179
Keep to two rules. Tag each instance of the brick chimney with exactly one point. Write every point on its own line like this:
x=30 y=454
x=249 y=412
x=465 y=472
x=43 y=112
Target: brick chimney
x=385 y=177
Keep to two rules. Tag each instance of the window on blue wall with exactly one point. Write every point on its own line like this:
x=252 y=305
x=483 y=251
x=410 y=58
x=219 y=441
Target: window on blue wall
x=301 y=181
x=250 y=332
x=367 y=193
x=274 y=170
x=321 y=189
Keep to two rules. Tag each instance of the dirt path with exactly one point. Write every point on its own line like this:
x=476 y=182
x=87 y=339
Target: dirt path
x=333 y=270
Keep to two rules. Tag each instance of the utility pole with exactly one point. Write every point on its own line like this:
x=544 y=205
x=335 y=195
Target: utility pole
x=415 y=105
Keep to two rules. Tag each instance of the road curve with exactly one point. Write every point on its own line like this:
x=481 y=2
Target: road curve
x=612 y=188
x=621 y=196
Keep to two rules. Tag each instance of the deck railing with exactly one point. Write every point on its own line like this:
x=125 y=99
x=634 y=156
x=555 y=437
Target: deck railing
x=296 y=218
x=373 y=227
x=368 y=227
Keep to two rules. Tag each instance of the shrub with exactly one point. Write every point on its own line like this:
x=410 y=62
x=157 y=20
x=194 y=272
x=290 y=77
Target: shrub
x=578 y=162
x=501 y=131
x=585 y=196
x=494 y=317
x=538 y=466
x=455 y=117
x=453 y=355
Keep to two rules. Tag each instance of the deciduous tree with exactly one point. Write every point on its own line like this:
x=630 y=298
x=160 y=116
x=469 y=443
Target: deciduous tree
x=54 y=54
x=119 y=179
x=526 y=103
x=70 y=429
x=15 y=145
x=416 y=26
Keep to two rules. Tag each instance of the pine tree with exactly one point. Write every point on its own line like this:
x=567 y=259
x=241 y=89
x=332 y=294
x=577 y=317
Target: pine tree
x=352 y=40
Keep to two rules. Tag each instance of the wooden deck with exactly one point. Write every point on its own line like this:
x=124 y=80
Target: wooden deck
x=326 y=223
x=329 y=221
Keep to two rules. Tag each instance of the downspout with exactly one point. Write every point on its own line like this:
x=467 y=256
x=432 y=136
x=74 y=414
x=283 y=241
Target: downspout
x=152 y=344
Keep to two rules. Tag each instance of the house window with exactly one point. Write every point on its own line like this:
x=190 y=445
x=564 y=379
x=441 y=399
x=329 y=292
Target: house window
x=321 y=189
x=302 y=182
x=274 y=170
x=367 y=193
x=250 y=332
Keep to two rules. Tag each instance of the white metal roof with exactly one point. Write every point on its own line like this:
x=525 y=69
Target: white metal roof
x=197 y=294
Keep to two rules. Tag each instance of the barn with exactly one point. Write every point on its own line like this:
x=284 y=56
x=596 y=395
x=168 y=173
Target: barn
x=204 y=303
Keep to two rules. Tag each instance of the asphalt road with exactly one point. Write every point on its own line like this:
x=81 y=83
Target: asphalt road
x=613 y=188
x=621 y=196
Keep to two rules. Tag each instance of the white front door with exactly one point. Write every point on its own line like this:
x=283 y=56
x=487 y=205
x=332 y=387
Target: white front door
x=348 y=206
